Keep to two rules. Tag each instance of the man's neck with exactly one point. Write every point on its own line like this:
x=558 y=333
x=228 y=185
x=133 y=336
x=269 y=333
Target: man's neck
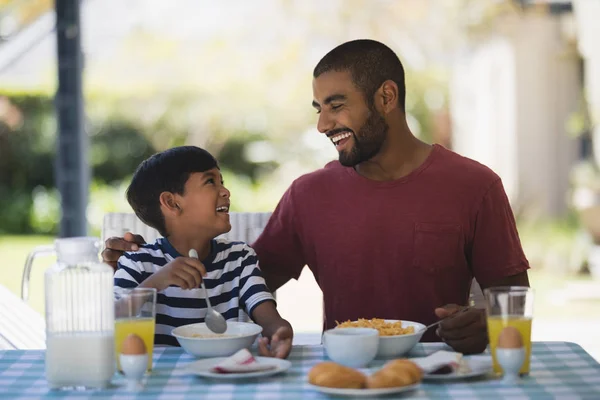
x=183 y=245
x=400 y=155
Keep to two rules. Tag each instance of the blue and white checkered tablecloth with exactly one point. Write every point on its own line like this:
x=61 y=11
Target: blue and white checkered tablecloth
x=558 y=370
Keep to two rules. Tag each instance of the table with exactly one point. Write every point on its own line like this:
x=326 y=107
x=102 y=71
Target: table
x=559 y=370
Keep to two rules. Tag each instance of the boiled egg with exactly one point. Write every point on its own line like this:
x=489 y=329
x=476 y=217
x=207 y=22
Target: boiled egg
x=133 y=344
x=510 y=338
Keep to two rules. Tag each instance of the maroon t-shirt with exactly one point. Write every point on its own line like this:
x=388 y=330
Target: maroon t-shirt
x=394 y=249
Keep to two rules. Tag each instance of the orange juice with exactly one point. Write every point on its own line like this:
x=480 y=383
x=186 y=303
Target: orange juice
x=143 y=327
x=495 y=325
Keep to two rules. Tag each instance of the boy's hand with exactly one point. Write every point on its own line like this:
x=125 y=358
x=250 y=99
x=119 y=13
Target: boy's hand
x=280 y=344
x=184 y=272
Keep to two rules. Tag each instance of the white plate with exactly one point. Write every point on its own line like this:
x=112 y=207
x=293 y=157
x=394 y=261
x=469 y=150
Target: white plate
x=203 y=368
x=480 y=366
x=364 y=392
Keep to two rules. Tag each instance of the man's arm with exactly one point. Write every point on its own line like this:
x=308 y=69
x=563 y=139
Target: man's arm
x=279 y=248
x=521 y=279
x=467 y=332
x=274 y=281
x=496 y=259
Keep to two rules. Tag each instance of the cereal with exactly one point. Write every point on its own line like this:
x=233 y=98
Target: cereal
x=384 y=328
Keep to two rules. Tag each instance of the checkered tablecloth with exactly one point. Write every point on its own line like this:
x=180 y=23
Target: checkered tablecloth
x=558 y=370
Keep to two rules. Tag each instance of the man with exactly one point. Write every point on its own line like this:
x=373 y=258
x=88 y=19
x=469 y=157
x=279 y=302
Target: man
x=396 y=228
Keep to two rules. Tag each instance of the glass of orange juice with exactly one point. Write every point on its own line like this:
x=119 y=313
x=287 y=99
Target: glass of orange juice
x=509 y=306
x=135 y=312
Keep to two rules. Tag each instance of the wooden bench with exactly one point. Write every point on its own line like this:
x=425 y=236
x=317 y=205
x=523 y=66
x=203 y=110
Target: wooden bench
x=21 y=327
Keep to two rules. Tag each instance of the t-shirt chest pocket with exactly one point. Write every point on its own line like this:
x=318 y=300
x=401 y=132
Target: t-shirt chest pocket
x=436 y=246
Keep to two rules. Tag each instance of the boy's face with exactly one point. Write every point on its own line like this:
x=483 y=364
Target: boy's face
x=205 y=203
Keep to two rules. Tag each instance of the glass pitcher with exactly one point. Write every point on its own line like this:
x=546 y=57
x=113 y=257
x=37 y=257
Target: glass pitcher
x=79 y=316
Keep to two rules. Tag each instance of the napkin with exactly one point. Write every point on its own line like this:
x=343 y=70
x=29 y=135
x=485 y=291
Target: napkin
x=240 y=362
x=447 y=361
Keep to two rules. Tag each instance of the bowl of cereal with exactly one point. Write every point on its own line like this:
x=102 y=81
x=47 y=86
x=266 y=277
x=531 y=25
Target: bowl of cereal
x=199 y=341
x=396 y=337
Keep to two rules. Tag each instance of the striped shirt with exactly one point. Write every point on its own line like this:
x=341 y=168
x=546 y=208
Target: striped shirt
x=234 y=283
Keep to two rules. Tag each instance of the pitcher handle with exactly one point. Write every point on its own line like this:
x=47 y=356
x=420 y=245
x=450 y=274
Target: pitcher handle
x=38 y=251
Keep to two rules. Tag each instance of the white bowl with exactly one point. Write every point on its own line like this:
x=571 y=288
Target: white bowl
x=239 y=335
x=352 y=347
x=398 y=346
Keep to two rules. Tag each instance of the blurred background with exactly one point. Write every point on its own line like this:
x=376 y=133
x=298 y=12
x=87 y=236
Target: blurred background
x=512 y=84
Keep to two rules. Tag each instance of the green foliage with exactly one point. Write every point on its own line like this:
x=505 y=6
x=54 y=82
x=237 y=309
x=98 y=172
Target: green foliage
x=117 y=148
x=28 y=198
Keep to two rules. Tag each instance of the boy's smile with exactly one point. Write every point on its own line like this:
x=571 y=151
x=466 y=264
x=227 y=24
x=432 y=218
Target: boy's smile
x=205 y=204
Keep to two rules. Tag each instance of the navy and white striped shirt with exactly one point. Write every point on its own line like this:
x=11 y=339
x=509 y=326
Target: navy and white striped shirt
x=234 y=283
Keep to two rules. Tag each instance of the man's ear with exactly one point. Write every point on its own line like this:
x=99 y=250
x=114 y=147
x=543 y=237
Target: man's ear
x=169 y=203
x=386 y=96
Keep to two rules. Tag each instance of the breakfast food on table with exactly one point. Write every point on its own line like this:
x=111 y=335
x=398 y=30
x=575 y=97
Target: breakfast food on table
x=384 y=328
x=396 y=373
x=142 y=327
x=497 y=324
x=510 y=338
x=406 y=366
x=443 y=362
x=330 y=374
x=133 y=345
x=241 y=362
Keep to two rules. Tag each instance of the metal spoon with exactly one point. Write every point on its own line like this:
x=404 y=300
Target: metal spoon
x=449 y=316
x=214 y=320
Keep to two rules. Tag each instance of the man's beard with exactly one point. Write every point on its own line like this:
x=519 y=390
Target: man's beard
x=368 y=142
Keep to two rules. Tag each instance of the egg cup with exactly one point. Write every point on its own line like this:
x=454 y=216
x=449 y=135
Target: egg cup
x=511 y=360
x=134 y=367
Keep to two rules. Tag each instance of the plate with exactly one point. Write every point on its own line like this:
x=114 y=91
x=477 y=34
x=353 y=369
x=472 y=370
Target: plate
x=480 y=366
x=203 y=368
x=364 y=392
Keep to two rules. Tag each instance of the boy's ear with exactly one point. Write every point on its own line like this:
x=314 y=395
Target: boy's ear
x=169 y=202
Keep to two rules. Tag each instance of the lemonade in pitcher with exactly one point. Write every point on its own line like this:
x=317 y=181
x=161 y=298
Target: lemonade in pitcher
x=522 y=324
x=143 y=327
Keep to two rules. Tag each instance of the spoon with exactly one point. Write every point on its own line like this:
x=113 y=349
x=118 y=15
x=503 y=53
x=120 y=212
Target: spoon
x=443 y=319
x=214 y=321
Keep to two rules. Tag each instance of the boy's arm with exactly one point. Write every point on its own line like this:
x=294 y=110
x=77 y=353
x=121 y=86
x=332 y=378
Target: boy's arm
x=259 y=304
x=129 y=273
x=267 y=316
x=277 y=332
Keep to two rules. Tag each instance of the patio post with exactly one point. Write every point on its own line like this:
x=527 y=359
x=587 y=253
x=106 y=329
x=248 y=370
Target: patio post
x=72 y=169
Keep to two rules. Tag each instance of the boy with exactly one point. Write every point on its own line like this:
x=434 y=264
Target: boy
x=180 y=193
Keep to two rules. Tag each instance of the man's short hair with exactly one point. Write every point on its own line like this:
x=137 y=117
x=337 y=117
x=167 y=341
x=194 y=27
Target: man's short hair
x=370 y=63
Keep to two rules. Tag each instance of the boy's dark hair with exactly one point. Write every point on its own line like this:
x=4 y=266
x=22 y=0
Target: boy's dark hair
x=370 y=63
x=167 y=171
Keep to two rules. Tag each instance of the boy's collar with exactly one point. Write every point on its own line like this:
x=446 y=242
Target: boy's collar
x=170 y=250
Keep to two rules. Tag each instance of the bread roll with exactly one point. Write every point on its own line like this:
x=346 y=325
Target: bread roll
x=333 y=375
x=413 y=369
x=395 y=374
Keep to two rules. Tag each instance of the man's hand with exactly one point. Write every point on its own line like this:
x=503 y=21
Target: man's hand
x=466 y=332
x=280 y=344
x=116 y=246
x=184 y=272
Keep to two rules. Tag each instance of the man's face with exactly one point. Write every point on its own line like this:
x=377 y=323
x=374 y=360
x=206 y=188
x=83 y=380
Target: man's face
x=357 y=131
